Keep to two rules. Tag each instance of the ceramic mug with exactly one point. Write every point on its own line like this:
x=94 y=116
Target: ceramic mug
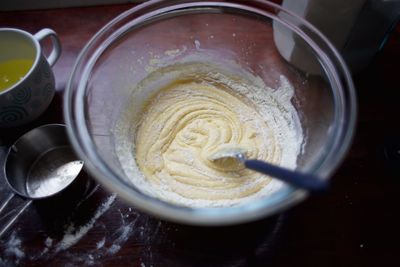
x=22 y=59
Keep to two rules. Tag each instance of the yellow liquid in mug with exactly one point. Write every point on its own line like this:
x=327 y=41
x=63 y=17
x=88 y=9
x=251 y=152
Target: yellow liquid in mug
x=11 y=71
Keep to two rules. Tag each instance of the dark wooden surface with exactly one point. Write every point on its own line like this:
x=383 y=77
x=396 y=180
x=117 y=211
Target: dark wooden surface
x=356 y=224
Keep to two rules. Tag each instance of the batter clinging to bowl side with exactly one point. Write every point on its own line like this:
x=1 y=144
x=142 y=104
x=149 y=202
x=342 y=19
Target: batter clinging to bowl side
x=200 y=111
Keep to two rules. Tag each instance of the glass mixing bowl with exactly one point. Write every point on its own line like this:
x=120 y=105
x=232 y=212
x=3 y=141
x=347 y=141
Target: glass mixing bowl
x=261 y=37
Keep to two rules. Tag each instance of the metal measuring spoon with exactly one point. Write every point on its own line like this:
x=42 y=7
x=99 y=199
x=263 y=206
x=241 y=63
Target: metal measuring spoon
x=39 y=164
x=305 y=181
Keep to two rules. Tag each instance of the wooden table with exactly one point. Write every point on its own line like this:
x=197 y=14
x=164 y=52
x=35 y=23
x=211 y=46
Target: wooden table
x=356 y=224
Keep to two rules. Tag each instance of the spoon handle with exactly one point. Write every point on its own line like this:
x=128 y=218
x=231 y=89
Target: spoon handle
x=13 y=219
x=305 y=181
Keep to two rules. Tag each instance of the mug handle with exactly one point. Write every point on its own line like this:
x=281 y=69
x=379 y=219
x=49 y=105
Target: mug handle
x=56 y=51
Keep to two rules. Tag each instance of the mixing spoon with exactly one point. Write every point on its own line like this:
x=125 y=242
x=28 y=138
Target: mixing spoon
x=301 y=180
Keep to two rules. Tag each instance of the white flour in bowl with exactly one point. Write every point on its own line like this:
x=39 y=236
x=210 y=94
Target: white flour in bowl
x=179 y=113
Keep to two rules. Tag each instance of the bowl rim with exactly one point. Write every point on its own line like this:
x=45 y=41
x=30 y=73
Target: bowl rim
x=83 y=145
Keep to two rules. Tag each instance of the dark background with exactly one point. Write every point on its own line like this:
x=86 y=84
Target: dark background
x=355 y=224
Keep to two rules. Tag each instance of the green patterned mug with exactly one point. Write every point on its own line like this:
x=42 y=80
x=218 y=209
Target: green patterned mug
x=27 y=84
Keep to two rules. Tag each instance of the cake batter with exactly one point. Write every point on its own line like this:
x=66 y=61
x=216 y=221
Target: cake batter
x=200 y=111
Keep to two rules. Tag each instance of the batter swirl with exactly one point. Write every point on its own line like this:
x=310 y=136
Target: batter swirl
x=196 y=114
